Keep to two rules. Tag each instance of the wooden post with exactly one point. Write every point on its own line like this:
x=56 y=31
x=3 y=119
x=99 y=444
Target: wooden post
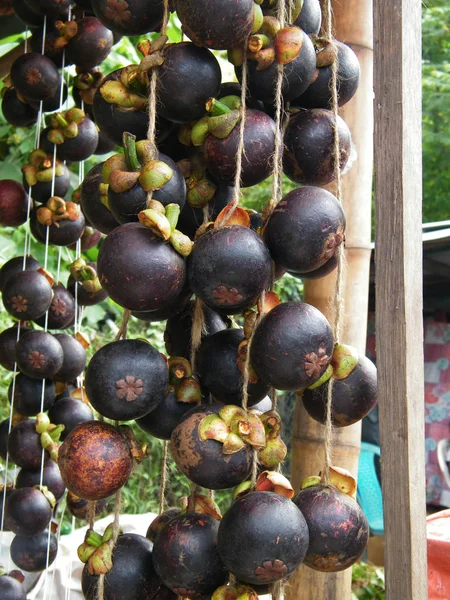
x=353 y=25
x=398 y=191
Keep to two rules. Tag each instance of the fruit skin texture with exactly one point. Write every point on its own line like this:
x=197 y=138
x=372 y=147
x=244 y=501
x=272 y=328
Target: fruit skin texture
x=129 y=18
x=162 y=420
x=64 y=233
x=8 y=339
x=16 y=112
x=15 y=265
x=28 y=511
x=292 y=346
x=218 y=371
x=338 y=529
x=228 y=268
x=35 y=76
x=91 y=45
x=259 y=146
x=95 y=460
x=305 y=229
x=74 y=360
x=185 y=555
x=70 y=412
x=12 y=589
x=24 y=445
x=309 y=147
x=39 y=355
x=13 y=203
x=30 y=553
x=158 y=523
x=27 y=295
x=95 y=212
x=126 y=379
x=138 y=269
x=62 y=309
x=216 y=24
x=28 y=395
x=52 y=479
x=203 y=462
x=262 y=538
x=353 y=397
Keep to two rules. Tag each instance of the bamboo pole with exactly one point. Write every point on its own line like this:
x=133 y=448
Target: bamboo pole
x=352 y=25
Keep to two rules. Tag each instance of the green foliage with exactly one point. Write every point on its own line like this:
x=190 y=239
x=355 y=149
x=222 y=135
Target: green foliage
x=367 y=582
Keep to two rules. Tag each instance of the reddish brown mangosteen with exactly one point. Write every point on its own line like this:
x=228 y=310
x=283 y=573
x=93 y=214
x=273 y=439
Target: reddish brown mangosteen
x=292 y=346
x=95 y=460
x=27 y=295
x=310 y=17
x=308 y=162
x=39 y=355
x=29 y=394
x=191 y=218
x=39 y=173
x=177 y=335
x=229 y=268
x=12 y=588
x=218 y=370
x=51 y=479
x=354 y=391
x=305 y=229
x=79 y=508
x=75 y=135
x=138 y=269
x=203 y=461
x=126 y=379
x=259 y=146
x=62 y=309
x=262 y=538
x=129 y=18
x=216 y=24
x=35 y=76
x=8 y=339
x=28 y=510
x=87 y=42
x=94 y=209
x=15 y=265
x=338 y=528
x=26 y=14
x=13 y=203
x=24 y=445
x=185 y=555
x=34 y=553
x=16 y=111
x=188 y=77
x=132 y=576
x=318 y=94
x=85 y=286
x=74 y=361
x=158 y=523
x=70 y=412
x=52 y=8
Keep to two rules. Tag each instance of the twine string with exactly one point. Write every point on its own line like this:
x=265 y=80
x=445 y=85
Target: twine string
x=163 y=485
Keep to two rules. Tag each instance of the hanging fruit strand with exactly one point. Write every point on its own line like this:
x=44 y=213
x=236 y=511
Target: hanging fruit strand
x=163 y=484
x=198 y=326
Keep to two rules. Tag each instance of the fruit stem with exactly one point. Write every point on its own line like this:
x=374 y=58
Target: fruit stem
x=61 y=120
x=129 y=146
x=217 y=108
x=172 y=214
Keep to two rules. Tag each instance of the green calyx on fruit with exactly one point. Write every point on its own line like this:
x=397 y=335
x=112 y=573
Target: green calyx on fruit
x=272 y=481
x=325 y=377
x=96 y=550
x=199 y=192
x=344 y=360
x=115 y=92
x=49 y=435
x=57 y=210
x=48 y=494
x=243 y=488
x=234 y=427
x=185 y=386
x=288 y=44
x=87 y=84
x=40 y=168
x=338 y=477
x=223 y=116
x=275 y=450
x=152 y=53
x=234 y=592
x=65 y=125
x=162 y=221
x=199 y=503
x=258 y=17
x=85 y=275
x=67 y=31
x=326 y=51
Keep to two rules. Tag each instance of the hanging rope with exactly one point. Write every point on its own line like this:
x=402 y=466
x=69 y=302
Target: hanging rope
x=163 y=485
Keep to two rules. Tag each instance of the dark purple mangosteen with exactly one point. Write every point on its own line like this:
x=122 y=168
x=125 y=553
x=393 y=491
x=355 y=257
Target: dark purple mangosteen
x=12 y=589
x=259 y=146
x=53 y=50
x=163 y=419
x=89 y=239
x=136 y=18
x=138 y=269
x=338 y=528
x=185 y=555
x=309 y=146
x=39 y=174
x=126 y=379
x=24 y=445
x=55 y=9
x=204 y=462
x=105 y=145
x=305 y=229
x=51 y=479
x=26 y=14
x=31 y=553
x=29 y=394
x=16 y=111
x=292 y=346
x=80 y=508
x=54 y=102
x=8 y=339
x=169 y=310
x=4 y=433
x=188 y=77
x=215 y=24
x=318 y=94
x=15 y=265
x=39 y=355
x=158 y=523
x=310 y=17
x=70 y=412
x=74 y=361
x=27 y=295
x=95 y=211
x=191 y=218
x=177 y=335
x=228 y=268
x=262 y=538
x=28 y=511
x=62 y=309
x=217 y=369
x=84 y=296
x=325 y=269
x=74 y=133
x=84 y=87
x=172 y=146
x=35 y=76
x=89 y=45
x=13 y=203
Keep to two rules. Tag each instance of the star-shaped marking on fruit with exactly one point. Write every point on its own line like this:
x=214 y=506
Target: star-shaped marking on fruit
x=314 y=362
x=224 y=295
x=271 y=570
x=36 y=359
x=19 y=304
x=129 y=388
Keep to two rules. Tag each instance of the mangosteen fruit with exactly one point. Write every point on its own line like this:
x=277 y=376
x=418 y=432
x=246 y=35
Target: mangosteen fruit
x=15 y=265
x=53 y=49
x=138 y=269
x=185 y=555
x=292 y=346
x=34 y=553
x=54 y=9
x=189 y=76
x=158 y=522
x=95 y=460
x=105 y=145
x=74 y=133
x=24 y=445
x=12 y=589
x=87 y=42
x=8 y=339
x=126 y=379
x=16 y=111
x=229 y=267
x=27 y=295
x=13 y=203
x=4 y=433
x=74 y=361
x=96 y=211
x=191 y=218
x=39 y=355
x=28 y=511
x=309 y=146
x=87 y=289
x=34 y=76
x=26 y=14
x=80 y=508
x=89 y=239
x=310 y=17
x=70 y=412
x=43 y=177
x=305 y=229
x=262 y=538
x=163 y=419
x=51 y=479
x=322 y=271
x=129 y=18
x=30 y=394
x=167 y=311
x=62 y=309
